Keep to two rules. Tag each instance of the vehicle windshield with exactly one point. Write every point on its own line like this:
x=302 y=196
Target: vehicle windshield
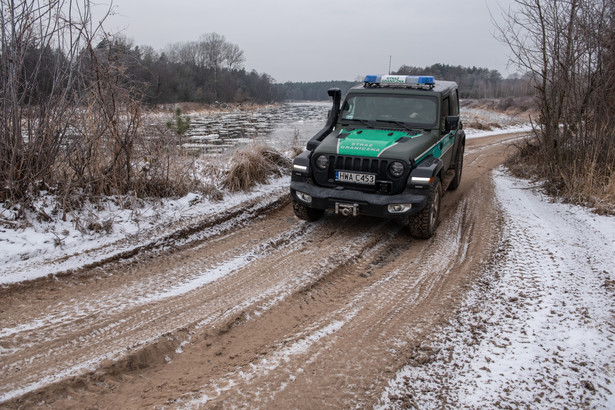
x=409 y=109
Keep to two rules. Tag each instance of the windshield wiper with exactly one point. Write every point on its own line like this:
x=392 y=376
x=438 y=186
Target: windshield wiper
x=401 y=124
x=364 y=122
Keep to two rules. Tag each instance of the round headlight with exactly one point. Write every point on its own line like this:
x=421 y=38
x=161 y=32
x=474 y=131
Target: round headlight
x=322 y=162
x=396 y=169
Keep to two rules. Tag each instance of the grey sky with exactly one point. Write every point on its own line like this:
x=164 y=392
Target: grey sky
x=319 y=40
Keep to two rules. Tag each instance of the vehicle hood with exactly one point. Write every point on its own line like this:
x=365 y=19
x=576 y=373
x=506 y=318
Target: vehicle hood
x=367 y=142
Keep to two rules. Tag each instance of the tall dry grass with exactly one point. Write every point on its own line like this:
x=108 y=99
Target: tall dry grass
x=580 y=182
x=254 y=165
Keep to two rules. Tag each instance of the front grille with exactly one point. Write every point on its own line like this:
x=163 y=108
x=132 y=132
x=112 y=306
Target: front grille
x=370 y=165
x=359 y=164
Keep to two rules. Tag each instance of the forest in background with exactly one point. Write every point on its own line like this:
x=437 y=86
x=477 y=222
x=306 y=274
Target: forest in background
x=474 y=82
x=211 y=70
x=206 y=70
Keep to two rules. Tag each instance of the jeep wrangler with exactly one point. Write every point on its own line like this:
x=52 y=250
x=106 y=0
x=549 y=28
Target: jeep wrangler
x=390 y=150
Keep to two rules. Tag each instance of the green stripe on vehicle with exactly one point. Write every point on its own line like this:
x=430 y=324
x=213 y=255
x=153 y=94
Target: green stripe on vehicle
x=435 y=149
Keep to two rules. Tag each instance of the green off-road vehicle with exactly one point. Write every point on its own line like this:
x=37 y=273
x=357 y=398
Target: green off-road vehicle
x=390 y=150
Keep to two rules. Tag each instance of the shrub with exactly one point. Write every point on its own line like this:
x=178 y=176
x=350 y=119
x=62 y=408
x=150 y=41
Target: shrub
x=254 y=165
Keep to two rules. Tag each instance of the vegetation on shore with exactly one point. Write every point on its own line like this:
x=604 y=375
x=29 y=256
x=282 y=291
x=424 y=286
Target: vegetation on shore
x=568 y=50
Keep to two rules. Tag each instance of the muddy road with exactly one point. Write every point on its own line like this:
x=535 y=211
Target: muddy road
x=266 y=310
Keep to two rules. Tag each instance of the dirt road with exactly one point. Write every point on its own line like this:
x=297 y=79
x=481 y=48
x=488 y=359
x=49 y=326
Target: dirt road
x=271 y=311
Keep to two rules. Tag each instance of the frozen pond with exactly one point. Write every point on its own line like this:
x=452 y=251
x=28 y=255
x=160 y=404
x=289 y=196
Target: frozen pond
x=281 y=127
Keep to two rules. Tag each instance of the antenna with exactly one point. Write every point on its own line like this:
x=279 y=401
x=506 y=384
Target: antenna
x=390 y=57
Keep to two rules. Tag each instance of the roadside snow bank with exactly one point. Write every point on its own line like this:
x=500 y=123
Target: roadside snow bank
x=538 y=329
x=44 y=248
x=491 y=122
x=474 y=133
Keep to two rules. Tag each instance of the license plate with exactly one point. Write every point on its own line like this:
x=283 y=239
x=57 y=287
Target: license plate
x=355 y=178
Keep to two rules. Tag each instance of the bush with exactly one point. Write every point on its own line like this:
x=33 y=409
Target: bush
x=254 y=165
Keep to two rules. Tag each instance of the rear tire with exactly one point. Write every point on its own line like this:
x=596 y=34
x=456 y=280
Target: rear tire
x=305 y=213
x=458 y=169
x=423 y=224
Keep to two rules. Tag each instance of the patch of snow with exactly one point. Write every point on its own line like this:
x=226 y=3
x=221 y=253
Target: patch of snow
x=474 y=133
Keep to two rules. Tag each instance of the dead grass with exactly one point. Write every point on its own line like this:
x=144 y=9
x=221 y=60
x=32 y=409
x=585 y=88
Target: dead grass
x=477 y=125
x=585 y=185
x=509 y=105
x=254 y=165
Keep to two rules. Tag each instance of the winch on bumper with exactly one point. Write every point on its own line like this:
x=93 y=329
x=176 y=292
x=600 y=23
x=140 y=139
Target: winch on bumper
x=349 y=202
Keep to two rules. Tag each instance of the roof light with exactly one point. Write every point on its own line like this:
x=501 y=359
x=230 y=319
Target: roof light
x=418 y=81
x=372 y=79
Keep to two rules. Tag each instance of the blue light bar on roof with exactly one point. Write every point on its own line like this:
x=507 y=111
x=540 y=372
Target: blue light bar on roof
x=372 y=79
x=402 y=80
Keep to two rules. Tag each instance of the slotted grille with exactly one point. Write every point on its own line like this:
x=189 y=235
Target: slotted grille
x=370 y=165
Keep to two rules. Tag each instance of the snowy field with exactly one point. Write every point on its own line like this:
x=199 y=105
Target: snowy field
x=538 y=329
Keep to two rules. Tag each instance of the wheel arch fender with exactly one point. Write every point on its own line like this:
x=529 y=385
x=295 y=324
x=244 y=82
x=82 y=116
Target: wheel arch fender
x=428 y=168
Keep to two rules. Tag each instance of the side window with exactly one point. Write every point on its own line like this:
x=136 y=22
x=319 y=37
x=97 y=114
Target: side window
x=454 y=104
x=444 y=112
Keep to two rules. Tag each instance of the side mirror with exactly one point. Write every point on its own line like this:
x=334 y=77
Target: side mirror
x=451 y=123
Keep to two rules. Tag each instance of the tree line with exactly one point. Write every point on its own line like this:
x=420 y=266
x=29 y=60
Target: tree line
x=204 y=71
x=473 y=82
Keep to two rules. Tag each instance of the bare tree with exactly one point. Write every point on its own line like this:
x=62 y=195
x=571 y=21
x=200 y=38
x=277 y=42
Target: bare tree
x=566 y=46
x=69 y=111
x=213 y=47
x=234 y=56
x=40 y=79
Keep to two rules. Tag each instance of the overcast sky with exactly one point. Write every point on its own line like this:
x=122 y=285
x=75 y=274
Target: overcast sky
x=320 y=40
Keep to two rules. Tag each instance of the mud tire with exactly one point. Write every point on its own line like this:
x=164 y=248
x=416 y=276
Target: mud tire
x=305 y=213
x=423 y=224
x=458 y=169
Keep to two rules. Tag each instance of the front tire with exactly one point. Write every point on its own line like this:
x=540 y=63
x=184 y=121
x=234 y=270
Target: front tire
x=423 y=224
x=305 y=213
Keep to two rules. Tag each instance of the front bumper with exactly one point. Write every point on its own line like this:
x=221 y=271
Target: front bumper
x=372 y=204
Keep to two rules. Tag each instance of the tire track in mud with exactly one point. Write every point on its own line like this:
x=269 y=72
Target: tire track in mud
x=339 y=357
x=306 y=314
x=146 y=307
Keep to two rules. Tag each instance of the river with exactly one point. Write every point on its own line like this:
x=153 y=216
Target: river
x=282 y=126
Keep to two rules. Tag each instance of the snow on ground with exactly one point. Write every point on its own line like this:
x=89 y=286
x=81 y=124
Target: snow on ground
x=494 y=122
x=538 y=329
x=474 y=133
x=70 y=244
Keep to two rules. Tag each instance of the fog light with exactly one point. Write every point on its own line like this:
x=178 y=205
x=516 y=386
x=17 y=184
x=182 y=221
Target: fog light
x=399 y=208
x=304 y=197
